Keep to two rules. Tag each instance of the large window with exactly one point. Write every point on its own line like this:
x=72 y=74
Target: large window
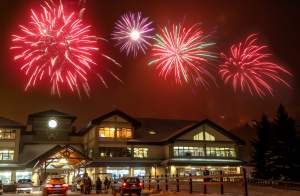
x=188 y=151
x=220 y=151
x=140 y=152
x=5 y=177
x=107 y=132
x=111 y=132
x=124 y=133
x=7 y=134
x=204 y=136
x=7 y=155
x=114 y=152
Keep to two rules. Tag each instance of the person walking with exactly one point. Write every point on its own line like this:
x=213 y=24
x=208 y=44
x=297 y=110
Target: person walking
x=105 y=183
x=98 y=185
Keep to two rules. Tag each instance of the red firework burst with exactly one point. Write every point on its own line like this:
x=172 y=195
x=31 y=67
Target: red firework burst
x=56 y=46
x=248 y=66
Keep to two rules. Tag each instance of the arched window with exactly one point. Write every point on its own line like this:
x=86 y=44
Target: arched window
x=204 y=136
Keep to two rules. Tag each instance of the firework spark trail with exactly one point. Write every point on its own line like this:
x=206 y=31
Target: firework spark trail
x=183 y=52
x=248 y=67
x=57 y=45
x=133 y=33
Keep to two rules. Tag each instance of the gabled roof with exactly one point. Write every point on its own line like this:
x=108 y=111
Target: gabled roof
x=50 y=113
x=162 y=128
x=117 y=112
x=5 y=122
x=55 y=150
x=208 y=122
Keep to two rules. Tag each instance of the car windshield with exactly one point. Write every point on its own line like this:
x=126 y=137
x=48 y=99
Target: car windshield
x=21 y=181
x=56 y=181
x=132 y=180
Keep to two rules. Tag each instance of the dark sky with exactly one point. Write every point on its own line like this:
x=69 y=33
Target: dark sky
x=143 y=93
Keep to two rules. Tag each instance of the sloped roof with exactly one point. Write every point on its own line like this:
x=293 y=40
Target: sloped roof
x=99 y=119
x=212 y=124
x=163 y=128
x=51 y=113
x=5 y=122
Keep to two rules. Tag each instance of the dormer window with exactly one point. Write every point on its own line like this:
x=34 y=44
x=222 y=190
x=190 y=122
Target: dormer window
x=110 y=132
x=7 y=134
x=204 y=136
x=107 y=132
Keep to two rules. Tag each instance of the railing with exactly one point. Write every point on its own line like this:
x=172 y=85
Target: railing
x=275 y=183
x=192 y=184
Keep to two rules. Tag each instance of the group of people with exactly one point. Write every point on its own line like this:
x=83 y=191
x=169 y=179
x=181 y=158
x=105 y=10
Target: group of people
x=106 y=184
x=86 y=184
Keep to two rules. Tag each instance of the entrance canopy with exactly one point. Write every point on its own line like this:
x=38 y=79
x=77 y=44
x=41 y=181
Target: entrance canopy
x=61 y=157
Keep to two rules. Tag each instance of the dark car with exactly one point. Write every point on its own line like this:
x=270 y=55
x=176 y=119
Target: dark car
x=55 y=186
x=131 y=185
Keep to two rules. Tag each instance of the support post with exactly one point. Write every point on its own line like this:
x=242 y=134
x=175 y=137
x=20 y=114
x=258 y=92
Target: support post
x=177 y=183
x=245 y=182
x=149 y=185
x=222 y=184
x=157 y=183
x=166 y=181
x=191 y=183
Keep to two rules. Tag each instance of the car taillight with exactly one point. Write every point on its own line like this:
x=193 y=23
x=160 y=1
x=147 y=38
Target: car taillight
x=65 y=185
x=141 y=184
x=49 y=185
x=124 y=184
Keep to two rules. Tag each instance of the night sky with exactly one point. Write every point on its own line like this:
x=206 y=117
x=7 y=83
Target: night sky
x=143 y=93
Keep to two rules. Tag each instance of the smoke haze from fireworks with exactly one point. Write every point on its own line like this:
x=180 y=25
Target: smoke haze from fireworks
x=249 y=67
x=133 y=33
x=184 y=53
x=57 y=46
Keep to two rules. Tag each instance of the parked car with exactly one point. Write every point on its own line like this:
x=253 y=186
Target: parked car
x=55 y=185
x=1 y=187
x=128 y=185
x=24 y=186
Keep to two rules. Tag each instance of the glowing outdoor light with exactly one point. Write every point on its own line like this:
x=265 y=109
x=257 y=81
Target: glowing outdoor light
x=52 y=124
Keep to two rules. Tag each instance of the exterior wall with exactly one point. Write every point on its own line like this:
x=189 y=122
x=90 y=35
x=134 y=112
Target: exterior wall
x=43 y=133
x=218 y=136
x=11 y=144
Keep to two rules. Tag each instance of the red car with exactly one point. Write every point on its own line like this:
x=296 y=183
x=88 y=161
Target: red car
x=131 y=185
x=55 y=186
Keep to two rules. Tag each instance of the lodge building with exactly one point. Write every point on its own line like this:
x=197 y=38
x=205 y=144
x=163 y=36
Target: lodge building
x=114 y=144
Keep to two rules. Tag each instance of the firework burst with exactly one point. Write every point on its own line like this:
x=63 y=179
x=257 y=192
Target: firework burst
x=57 y=47
x=248 y=67
x=183 y=52
x=133 y=33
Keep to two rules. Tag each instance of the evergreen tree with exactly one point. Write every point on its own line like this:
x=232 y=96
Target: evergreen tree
x=283 y=146
x=261 y=147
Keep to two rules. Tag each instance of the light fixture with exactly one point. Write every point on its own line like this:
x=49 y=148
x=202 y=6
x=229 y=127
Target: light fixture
x=52 y=124
x=152 y=132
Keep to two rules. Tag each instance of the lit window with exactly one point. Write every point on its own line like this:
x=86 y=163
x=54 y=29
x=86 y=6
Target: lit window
x=6 y=155
x=220 y=151
x=188 y=151
x=107 y=132
x=124 y=133
x=7 y=134
x=204 y=136
x=140 y=152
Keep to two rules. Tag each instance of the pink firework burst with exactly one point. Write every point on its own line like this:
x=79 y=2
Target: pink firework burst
x=57 y=47
x=249 y=67
x=133 y=33
x=184 y=53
